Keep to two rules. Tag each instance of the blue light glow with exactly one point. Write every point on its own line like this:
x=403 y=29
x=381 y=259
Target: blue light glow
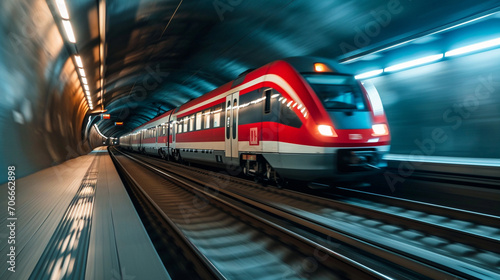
x=369 y=74
x=413 y=63
x=474 y=47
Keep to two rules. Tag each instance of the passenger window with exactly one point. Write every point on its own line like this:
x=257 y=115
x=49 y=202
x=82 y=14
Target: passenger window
x=206 y=113
x=228 y=119
x=198 y=121
x=267 y=107
x=185 y=121
x=217 y=113
x=191 y=123
x=235 y=128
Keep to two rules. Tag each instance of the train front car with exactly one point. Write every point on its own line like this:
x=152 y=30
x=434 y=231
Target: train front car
x=331 y=128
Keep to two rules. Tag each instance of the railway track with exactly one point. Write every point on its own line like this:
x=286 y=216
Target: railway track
x=420 y=244
x=227 y=238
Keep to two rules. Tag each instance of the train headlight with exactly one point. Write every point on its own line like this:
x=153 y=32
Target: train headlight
x=380 y=129
x=326 y=130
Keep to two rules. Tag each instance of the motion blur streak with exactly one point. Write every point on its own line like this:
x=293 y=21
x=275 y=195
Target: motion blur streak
x=460 y=97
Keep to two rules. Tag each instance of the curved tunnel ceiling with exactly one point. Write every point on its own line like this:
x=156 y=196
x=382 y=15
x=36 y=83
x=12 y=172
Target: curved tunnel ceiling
x=159 y=54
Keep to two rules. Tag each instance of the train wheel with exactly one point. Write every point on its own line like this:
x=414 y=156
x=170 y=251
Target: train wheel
x=177 y=156
x=272 y=176
x=281 y=182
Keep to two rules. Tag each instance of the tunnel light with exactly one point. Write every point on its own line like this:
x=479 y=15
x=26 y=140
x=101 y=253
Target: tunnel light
x=69 y=31
x=82 y=72
x=369 y=74
x=78 y=60
x=380 y=129
x=86 y=87
x=63 y=11
x=84 y=80
x=474 y=47
x=326 y=130
x=414 y=62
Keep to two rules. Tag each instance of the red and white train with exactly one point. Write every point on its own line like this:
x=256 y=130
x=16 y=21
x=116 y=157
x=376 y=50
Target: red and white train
x=301 y=118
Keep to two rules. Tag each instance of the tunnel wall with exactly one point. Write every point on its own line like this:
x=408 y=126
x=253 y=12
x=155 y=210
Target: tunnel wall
x=42 y=107
x=450 y=108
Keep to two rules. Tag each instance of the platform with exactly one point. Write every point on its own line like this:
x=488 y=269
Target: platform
x=76 y=221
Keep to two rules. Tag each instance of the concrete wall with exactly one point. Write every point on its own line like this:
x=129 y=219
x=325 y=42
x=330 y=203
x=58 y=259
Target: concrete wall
x=41 y=101
x=457 y=100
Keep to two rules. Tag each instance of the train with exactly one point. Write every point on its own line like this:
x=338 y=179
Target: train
x=301 y=118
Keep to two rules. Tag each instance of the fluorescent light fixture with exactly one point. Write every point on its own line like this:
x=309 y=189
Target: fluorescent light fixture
x=84 y=80
x=86 y=87
x=63 y=11
x=78 y=60
x=82 y=72
x=474 y=47
x=69 y=31
x=369 y=74
x=412 y=40
x=414 y=62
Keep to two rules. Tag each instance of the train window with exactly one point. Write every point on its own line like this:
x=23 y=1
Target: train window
x=185 y=124
x=228 y=119
x=206 y=113
x=217 y=112
x=235 y=105
x=337 y=91
x=191 y=123
x=198 y=121
x=179 y=126
x=172 y=130
x=267 y=106
x=289 y=117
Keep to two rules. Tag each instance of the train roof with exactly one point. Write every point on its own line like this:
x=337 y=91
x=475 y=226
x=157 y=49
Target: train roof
x=303 y=64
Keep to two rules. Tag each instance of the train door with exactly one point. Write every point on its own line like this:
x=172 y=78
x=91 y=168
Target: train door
x=159 y=130
x=271 y=117
x=173 y=131
x=232 y=126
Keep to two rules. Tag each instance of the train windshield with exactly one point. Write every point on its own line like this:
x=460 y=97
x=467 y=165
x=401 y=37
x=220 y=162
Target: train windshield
x=337 y=91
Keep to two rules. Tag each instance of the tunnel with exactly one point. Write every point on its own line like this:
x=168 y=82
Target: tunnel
x=114 y=168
